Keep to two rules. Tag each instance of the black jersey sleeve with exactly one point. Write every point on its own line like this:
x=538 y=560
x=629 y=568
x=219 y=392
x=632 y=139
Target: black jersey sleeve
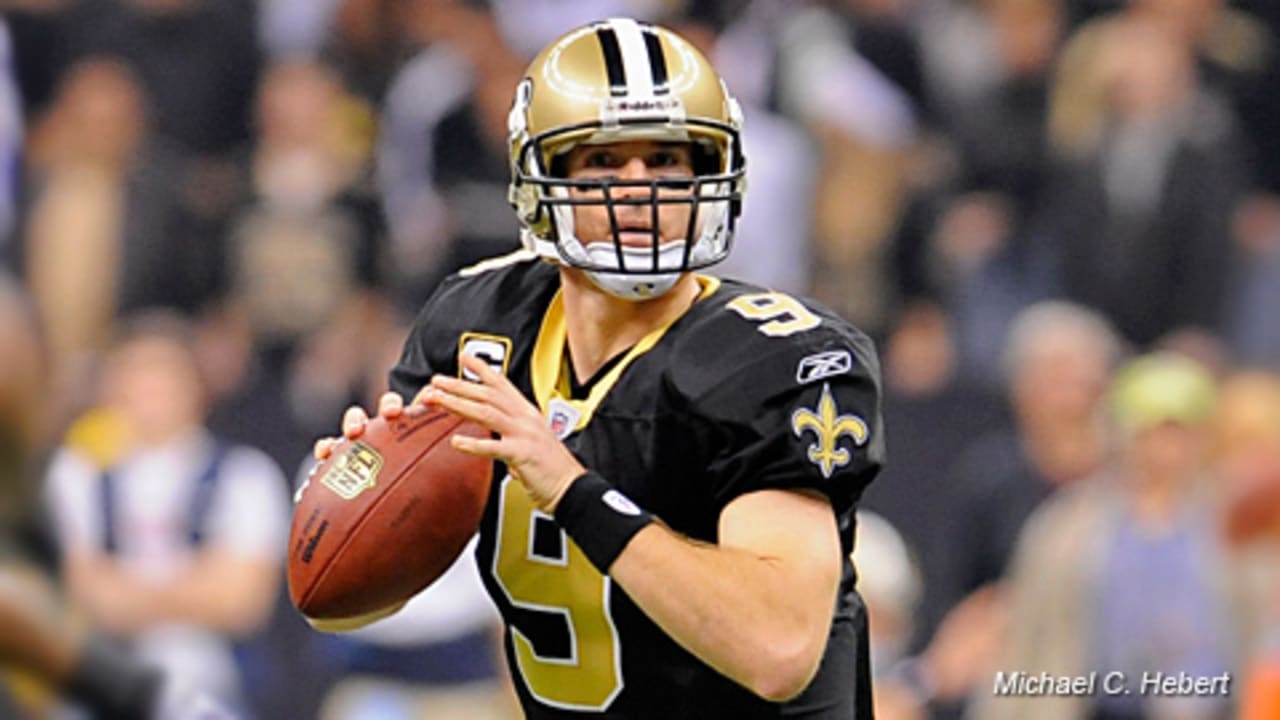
x=492 y=308
x=796 y=412
x=425 y=351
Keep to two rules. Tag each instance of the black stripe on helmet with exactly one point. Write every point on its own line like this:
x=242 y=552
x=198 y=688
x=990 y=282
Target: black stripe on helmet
x=657 y=61
x=612 y=61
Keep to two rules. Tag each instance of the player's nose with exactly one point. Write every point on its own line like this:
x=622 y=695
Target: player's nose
x=634 y=169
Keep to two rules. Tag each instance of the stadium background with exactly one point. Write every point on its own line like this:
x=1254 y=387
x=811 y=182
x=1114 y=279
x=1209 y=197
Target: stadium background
x=293 y=177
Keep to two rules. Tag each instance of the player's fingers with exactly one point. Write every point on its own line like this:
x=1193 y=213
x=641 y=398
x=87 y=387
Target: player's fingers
x=490 y=377
x=423 y=397
x=324 y=448
x=485 y=414
x=484 y=447
x=353 y=422
x=504 y=394
x=463 y=388
x=390 y=405
x=511 y=405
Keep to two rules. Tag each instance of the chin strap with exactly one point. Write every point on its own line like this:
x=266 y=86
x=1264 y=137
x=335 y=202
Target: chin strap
x=634 y=287
x=626 y=286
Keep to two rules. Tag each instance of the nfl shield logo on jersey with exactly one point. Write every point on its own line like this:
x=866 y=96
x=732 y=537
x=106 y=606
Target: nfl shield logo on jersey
x=563 y=417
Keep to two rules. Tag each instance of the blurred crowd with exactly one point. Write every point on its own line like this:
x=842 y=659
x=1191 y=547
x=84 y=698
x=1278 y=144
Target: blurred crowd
x=1060 y=219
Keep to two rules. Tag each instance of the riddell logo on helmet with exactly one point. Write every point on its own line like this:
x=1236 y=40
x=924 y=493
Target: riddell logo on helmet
x=645 y=105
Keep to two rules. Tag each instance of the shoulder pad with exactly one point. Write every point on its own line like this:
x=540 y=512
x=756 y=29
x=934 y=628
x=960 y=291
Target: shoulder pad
x=501 y=297
x=744 y=345
x=487 y=291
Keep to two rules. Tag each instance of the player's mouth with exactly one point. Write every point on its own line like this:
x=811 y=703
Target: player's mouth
x=635 y=235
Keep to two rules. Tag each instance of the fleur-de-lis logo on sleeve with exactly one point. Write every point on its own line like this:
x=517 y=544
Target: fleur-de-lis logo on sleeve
x=827 y=425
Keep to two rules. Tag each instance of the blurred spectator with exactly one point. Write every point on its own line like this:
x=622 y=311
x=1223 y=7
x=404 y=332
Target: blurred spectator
x=442 y=158
x=1254 y=290
x=981 y=169
x=304 y=261
x=960 y=55
x=46 y=653
x=1139 y=223
x=1003 y=132
x=171 y=538
x=1247 y=429
x=196 y=63
x=294 y=28
x=24 y=428
x=936 y=416
x=1239 y=56
x=197 y=59
x=105 y=233
x=864 y=124
x=1057 y=363
x=979 y=270
x=371 y=40
x=1247 y=443
x=784 y=167
x=1126 y=572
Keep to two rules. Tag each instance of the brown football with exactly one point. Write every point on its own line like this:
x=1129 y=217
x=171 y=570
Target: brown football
x=384 y=516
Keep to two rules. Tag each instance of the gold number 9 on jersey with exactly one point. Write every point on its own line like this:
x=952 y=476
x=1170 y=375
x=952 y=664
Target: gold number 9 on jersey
x=785 y=314
x=566 y=645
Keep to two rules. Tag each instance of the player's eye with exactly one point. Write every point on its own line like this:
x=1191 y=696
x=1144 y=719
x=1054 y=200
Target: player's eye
x=664 y=159
x=600 y=159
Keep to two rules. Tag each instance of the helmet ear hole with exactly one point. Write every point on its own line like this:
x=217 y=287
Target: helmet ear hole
x=706 y=159
x=560 y=165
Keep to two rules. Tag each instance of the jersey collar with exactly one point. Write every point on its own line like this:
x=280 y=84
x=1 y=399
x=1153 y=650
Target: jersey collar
x=548 y=362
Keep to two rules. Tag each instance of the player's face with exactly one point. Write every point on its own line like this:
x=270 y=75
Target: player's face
x=640 y=160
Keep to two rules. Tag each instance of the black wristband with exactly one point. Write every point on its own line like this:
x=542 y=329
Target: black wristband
x=600 y=519
x=112 y=684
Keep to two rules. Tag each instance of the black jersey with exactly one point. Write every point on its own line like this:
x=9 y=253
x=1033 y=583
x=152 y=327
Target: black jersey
x=747 y=390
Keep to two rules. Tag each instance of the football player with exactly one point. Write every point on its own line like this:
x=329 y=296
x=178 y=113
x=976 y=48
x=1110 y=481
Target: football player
x=677 y=458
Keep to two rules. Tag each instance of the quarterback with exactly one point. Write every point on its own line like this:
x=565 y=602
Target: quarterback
x=677 y=457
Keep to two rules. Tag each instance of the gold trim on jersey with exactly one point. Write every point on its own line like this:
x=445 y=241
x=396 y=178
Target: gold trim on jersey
x=495 y=263
x=549 y=367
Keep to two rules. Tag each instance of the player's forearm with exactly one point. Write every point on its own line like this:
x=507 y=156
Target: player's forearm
x=735 y=610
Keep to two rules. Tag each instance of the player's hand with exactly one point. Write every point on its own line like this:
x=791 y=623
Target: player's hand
x=390 y=405
x=526 y=442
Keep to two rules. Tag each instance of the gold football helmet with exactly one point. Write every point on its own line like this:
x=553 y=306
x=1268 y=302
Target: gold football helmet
x=613 y=81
